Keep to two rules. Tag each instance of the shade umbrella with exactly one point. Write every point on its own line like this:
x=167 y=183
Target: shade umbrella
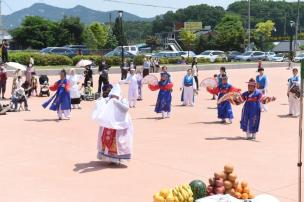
x=15 y=65
x=84 y=63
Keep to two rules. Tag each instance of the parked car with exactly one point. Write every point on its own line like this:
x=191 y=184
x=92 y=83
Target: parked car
x=167 y=54
x=280 y=57
x=79 y=48
x=252 y=56
x=131 y=49
x=118 y=54
x=269 y=55
x=299 y=58
x=58 y=51
x=232 y=55
x=213 y=55
x=186 y=53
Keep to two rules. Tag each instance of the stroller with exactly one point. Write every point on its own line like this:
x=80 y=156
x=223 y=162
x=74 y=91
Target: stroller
x=88 y=94
x=44 y=85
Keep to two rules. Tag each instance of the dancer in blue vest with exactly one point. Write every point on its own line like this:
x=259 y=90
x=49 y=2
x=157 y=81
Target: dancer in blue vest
x=224 y=108
x=61 y=101
x=294 y=93
x=188 y=88
x=251 y=113
x=262 y=85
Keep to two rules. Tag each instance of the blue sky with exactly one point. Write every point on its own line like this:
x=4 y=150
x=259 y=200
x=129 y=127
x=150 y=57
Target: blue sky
x=10 y=6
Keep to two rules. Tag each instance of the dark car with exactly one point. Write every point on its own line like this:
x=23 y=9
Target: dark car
x=232 y=55
x=77 y=49
x=58 y=51
x=118 y=54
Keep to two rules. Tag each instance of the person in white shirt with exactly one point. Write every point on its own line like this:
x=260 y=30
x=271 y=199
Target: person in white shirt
x=195 y=72
x=146 y=67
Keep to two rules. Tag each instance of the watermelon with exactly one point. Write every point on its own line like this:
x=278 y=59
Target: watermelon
x=199 y=189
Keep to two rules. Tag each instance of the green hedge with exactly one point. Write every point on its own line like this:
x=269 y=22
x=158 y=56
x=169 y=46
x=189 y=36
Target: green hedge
x=113 y=61
x=40 y=59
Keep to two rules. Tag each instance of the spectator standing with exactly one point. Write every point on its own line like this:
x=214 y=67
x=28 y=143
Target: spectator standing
x=103 y=75
x=124 y=70
x=195 y=72
x=3 y=78
x=4 y=50
x=88 y=76
x=146 y=67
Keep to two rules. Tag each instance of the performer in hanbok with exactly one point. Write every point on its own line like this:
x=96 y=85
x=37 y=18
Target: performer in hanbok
x=133 y=88
x=61 y=101
x=75 y=80
x=163 y=104
x=188 y=89
x=220 y=75
x=115 y=136
x=251 y=113
x=224 y=108
x=294 y=93
x=262 y=85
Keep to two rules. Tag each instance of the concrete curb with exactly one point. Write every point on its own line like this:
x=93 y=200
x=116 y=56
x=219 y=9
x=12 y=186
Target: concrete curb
x=172 y=68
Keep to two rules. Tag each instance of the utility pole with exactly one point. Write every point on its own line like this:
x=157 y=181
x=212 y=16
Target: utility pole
x=297 y=30
x=249 y=25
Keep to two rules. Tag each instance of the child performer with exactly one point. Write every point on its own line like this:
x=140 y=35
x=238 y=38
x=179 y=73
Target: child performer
x=188 y=89
x=251 y=112
x=293 y=90
x=163 y=104
x=224 y=108
x=262 y=85
x=133 y=88
x=61 y=101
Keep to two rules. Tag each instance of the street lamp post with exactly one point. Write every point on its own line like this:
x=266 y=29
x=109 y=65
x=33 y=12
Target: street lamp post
x=249 y=25
x=120 y=13
x=292 y=25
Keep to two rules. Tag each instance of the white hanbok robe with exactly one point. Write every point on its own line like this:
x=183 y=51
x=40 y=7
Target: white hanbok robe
x=112 y=115
x=132 y=80
x=188 y=90
x=293 y=100
x=74 y=85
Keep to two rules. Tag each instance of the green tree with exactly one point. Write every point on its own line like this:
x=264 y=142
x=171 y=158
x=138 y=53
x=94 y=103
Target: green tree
x=70 y=31
x=96 y=35
x=35 y=32
x=112 y=41
x=120 y=36
x=188 y=38
x=265 y=28
x=230 y=34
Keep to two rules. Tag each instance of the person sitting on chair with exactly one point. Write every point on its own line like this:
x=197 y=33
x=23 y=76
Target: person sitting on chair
x=19 y=98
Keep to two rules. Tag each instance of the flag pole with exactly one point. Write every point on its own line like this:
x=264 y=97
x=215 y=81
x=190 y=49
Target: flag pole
x=300 y=133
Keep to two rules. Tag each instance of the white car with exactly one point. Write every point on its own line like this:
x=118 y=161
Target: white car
x=212 y=55
x=280 y=57
x=270 y=55
x=185 y=54
x=299 y=58
x=131 y=49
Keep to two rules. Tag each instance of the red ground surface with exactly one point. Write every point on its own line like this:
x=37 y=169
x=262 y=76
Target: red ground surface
x=43 y=160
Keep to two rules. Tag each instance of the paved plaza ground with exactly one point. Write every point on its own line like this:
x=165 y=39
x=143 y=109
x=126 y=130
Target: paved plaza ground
x=43 y=160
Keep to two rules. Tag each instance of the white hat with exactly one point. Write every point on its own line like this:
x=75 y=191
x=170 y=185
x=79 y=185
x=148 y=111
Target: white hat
x=115 y=90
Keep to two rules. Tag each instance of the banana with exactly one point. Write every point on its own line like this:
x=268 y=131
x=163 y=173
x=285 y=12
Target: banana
x=190 y=199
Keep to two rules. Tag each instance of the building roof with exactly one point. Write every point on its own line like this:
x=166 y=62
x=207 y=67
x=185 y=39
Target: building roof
x=284 y=46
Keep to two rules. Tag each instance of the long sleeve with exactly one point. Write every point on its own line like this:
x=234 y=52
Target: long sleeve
x=54 y=87
x=266 y=82
x=213 y=91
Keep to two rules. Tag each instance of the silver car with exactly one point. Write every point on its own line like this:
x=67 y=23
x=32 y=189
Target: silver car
x=251 y=56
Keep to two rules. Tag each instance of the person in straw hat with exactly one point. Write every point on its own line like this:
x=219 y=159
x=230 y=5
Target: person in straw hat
x=115 y=136
x=251 y=113
x=293 y=93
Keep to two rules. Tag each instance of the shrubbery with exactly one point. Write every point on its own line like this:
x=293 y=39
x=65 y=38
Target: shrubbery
x=51 y=59
x=40 y=59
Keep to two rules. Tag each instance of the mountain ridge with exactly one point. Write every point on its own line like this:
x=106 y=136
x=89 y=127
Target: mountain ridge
x=54 y=13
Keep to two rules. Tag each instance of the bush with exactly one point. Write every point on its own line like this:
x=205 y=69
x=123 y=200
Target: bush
x=40 y=59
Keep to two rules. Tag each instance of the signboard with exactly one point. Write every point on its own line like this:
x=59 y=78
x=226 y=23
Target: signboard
x=193 y=26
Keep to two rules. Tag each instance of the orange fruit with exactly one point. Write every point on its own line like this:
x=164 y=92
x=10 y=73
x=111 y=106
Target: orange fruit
x=245 y=196
x=239 y=189
x=246 y=190
x=244 y=184
x=238 y=195
x=251 y=196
